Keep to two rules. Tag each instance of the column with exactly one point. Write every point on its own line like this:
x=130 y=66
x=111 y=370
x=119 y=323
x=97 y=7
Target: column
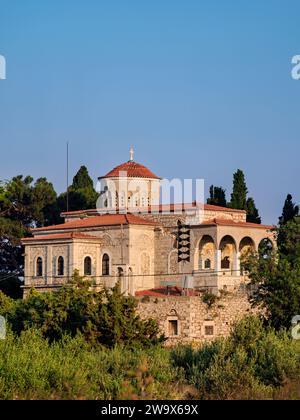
x=237 y=264
x=218 y=257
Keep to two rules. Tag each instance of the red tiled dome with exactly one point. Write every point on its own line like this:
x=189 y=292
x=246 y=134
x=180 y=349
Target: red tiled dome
x=133 y=169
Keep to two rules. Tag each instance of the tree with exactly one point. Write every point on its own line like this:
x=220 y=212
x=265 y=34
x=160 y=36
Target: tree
x=44 y=197
x=82 y=180
x=107 y=317
x=217 y=196
x=252 y=212
x=82 y=194
x=276 y=278
x=23 y=205
x=289 y=212
x=239 y=191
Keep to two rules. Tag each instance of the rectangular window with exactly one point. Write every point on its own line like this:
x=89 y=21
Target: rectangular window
x=173 y=328
x=209 y=330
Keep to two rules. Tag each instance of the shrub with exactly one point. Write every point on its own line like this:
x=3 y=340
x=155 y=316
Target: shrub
x=107 y=317
x=33 y=368
x=209 y=298
x=251 y=363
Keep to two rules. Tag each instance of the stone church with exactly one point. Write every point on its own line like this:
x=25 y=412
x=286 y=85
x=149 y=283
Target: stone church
x=132 y=238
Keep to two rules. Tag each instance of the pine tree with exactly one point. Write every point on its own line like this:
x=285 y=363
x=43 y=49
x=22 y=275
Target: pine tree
x=252 y=212
x=239 y=192
x=217 y=196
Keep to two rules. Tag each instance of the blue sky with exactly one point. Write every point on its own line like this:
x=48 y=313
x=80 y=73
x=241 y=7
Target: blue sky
x=200 y=88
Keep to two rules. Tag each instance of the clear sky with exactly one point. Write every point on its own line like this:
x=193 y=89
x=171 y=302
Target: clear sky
x=200 y=88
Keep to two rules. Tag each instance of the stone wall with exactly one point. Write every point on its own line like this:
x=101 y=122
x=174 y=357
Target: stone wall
x=196 y=321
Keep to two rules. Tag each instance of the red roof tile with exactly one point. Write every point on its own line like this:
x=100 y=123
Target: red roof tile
x=68 y=235
x=219 y=208
x=228 y=222
x=162 y=208
x=133 y=170
x=104 y=220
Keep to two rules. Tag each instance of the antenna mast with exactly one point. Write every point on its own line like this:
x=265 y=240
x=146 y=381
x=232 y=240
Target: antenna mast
x=67 y=176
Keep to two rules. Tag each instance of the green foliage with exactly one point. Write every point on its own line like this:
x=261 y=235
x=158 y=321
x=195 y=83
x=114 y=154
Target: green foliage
x=108 y=317
x=289 y=215
x=82 y=180
x=251 y=363
x=289 y=242
x=276 y=277
x=239 y=191
x=209 y=298
x=252 y=212
x=33 y=368
x=23 y=204
x=82 y=194
x=289 y=211
x=217 y=196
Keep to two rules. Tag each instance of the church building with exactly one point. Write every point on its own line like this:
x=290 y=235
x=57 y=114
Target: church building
x=132 y=238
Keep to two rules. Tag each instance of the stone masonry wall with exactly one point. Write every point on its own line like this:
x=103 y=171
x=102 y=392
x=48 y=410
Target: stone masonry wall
x=196 y=321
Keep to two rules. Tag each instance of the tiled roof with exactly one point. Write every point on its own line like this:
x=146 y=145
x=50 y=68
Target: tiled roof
x=67 y=235
x=219 y=208
x=104 y=220
x=132 y=169
x=228 y=222
x=163 y=207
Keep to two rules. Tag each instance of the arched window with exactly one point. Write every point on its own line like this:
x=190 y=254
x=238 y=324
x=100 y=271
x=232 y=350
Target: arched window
x=60 y=266
x=39 y=267
x=105 y=265
x=207 y=264
x=225 y=263
x=87 y=266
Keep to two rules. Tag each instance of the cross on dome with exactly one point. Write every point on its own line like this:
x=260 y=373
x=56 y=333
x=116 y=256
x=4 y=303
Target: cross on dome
x=131 y=154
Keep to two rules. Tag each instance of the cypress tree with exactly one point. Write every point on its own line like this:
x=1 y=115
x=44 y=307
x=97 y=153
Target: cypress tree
x=252 y=212
x=289 y=211
x=217 y=196
x=239 y=192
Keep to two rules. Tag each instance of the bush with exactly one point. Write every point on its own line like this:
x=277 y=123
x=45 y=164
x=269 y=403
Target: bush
x=209 y=298
x=251 y=363
x=107 y=317
x=33 y=368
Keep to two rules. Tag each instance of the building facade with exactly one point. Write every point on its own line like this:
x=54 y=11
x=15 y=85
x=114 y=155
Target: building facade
x=130 y=237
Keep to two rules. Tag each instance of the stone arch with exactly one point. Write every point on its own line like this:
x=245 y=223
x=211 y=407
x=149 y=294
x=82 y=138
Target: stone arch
x=206 y=253
x=246 y=245
x=228 y=250
x=265 y=247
